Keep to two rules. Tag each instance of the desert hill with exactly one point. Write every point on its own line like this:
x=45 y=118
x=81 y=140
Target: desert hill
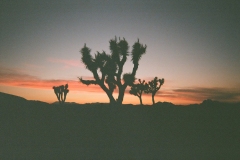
x=37 y=130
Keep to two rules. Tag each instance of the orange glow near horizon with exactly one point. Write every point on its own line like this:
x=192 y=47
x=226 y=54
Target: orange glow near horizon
x=91 y=94
x=34 y=88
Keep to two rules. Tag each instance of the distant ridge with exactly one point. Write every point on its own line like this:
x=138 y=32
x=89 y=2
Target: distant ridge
x=9 y=99
x=57 y=103
x=6 y=98
x=6 y=95
x=210 y=102
x=165 y=103
x=38 y=102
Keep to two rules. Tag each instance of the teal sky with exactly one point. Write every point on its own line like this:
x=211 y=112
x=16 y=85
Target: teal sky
x=192 y=44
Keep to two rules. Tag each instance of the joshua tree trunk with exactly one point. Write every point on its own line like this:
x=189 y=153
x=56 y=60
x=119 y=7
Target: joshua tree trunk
x=58 y=97
x=109 y=94
x=153 y=98
x=140 y=98
x=121 y=94
x=111 y=99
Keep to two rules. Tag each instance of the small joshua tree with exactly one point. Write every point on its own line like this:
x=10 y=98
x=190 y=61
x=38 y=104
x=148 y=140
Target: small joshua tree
x=153 y=86
x=138 y=89
x=61 y=92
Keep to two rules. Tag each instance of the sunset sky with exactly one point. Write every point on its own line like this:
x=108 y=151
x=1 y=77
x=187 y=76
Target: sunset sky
x=193 y=45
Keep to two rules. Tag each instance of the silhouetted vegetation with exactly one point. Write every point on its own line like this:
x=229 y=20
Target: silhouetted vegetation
x=138 y=89
x=111 y=67
x=153 y=86
x=61 y=92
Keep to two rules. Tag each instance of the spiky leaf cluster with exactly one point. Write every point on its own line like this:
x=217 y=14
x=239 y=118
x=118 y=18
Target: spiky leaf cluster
x=128 y=78
x=119 y=50
x=138 y=51
x=87 y=58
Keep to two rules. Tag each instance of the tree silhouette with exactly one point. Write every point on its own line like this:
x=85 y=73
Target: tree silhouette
x=153 y=86
x=61 y=92
x=111 y=67
x=138 y=89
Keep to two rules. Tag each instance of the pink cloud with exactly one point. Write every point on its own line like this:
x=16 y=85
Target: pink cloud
x=66 y=62
x=33 y=66
x=13 y=77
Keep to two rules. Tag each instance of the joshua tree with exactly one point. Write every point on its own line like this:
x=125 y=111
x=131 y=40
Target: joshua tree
x=111 y=67
x=61 y=92
x=153 y=86
x=137 y=89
